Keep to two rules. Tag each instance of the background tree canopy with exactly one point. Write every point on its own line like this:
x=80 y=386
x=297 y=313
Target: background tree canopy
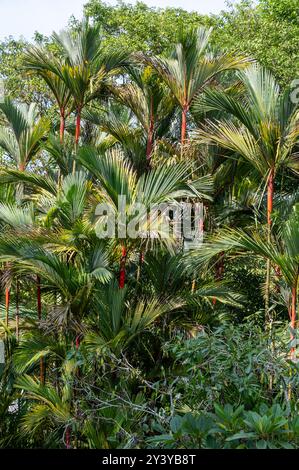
x=156 y=338
x=267 y=31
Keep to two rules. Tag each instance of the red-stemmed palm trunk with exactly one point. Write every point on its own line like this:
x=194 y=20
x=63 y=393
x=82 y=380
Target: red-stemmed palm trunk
x=62 y=125
x=7 y=302
x=184 y=123
x=219 y=270
x=122 y=270
x=17 y=310
x=77 y=134
x=293 y=316
x=39 y=314
x=78 y=126
x=150 y=135
x=270 y=197
x=68 y=437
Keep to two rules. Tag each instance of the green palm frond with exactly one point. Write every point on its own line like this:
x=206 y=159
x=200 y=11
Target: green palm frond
x=40 y=182
x=23 y=137
x=53 y=403
x=266 y=130
x=16 y=216
x=191 y=67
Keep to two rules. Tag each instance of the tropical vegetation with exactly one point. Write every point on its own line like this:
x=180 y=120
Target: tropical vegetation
x=155 y=341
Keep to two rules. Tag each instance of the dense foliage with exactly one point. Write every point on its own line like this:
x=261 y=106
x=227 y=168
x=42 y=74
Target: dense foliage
x=151 y=341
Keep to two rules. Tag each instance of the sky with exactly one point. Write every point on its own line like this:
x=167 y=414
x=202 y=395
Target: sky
x=24 y=17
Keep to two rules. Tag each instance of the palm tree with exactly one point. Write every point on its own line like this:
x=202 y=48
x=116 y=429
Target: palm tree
x=265 y=133
x=51 y=405
x=47 y=66
x=150 y=101
x=161 y=185
x=119 y=129
x=74 y=282
x=191 y=67
x=22 y=219
x=283 y=252
x=22 y=138
x=80 y=74
x=123 y=318
x=87 y=65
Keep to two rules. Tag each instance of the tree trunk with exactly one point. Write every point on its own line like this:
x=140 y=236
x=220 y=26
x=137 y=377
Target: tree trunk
x=78 y=127
x=141 y=259
x=39 y=315
x=219 y=270
x=122 y=271
x=62 y=126
x=20 y=186
x=184 y=124
x=68 y=437
x=150 y=136
x=39 y=300
x=201 y=231
x=293 y=316
x=270 y=196
x=17 y=311
x=77 y=135
x=7 y=301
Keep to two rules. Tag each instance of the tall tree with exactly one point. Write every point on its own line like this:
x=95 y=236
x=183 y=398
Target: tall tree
x=264 y=134
x=39 y=61
x=282 y=251
x=87 y=65
x=150 y=101
x=191 y=67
